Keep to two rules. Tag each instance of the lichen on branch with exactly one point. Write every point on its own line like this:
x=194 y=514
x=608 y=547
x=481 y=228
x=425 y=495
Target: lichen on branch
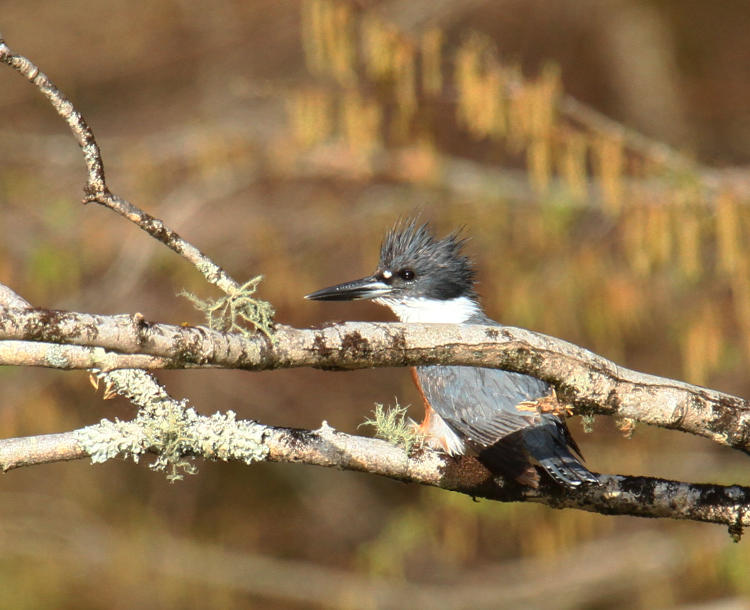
x=225 y=313
x=168 y=428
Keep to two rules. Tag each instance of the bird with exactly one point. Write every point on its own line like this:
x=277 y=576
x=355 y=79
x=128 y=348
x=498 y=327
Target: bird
x=511 y=422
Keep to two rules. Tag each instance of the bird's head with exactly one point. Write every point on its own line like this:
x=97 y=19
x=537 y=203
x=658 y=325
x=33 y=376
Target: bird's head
x=416 y=271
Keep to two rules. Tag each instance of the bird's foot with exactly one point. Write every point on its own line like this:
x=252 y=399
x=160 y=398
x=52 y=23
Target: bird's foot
x=546 y=404
x=425 y=435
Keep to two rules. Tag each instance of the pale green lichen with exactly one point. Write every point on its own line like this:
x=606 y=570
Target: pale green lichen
x=137 y=385
x=168 y=428
x=587 y=421
x=226 y=313
x=208 y=270
x=222 y=436
x=392 y=425
x=56 y=357
x=107 y=440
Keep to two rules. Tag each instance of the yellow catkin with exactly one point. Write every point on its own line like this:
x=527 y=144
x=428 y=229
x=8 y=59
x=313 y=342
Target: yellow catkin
x=688 y=242
x=544 y=93
x=310 y=116
x=480 y=82
x=740 y=282
x=312 y=42
x=633 y=236
x=405 y=73
x=326 y=34
x=666 y=240
x=378 y=42
x=520 y=114
x=539 y=163
x=466 y=77
x=432 y=69
x=328 y=39
x=342 y=42
x=494 y=124
x=727 y=233
x=572 y=163
x=609 y=163
x=658 y=241
x=360 y=122
x=702 y=346
x=485 y=119
x=500 y=125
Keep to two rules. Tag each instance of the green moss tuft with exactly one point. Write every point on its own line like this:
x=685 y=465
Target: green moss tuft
x=392 y=425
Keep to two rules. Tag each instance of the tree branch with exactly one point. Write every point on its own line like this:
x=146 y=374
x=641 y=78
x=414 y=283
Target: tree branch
x=618 y=495
x=587 y=381
x=40 y=449
x=74 y=357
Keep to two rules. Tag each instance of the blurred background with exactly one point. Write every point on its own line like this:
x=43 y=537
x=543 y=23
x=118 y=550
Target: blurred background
x=595 y=151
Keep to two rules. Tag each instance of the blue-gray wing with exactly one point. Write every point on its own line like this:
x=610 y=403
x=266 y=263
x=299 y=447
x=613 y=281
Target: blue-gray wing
x=481 y=403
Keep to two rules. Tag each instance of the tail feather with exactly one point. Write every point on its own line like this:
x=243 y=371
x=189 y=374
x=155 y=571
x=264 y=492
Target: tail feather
x=568 y=471
x=549 y=444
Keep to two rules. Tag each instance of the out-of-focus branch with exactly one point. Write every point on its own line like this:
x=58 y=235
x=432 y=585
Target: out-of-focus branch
x=589 y=382
x=61 y=534
x=713 y=179
x=96 y=189
x=235 y=440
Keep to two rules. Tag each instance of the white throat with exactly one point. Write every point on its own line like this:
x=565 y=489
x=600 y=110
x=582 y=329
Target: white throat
x=451 y=311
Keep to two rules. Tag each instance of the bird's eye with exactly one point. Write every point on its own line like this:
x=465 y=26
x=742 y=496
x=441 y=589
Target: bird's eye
x=406 y=274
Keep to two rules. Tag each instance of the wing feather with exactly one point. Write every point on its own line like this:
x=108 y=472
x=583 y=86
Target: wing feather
x=481 y=403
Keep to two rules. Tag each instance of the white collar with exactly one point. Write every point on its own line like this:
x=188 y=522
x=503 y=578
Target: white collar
x=419 y=309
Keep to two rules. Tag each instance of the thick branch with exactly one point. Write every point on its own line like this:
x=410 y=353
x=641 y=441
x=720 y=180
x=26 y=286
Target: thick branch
x=638 y=496
x=583 y=379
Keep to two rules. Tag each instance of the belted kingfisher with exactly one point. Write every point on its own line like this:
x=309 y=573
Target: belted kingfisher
x=496 y=415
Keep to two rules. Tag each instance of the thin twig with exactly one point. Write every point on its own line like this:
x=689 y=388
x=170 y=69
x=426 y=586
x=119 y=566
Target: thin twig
x=96 y=189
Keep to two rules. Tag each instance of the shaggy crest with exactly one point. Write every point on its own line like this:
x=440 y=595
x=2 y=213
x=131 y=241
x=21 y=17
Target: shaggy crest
x=411 y=247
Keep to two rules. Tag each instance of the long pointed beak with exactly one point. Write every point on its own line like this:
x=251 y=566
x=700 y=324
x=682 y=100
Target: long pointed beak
x=366 y=288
